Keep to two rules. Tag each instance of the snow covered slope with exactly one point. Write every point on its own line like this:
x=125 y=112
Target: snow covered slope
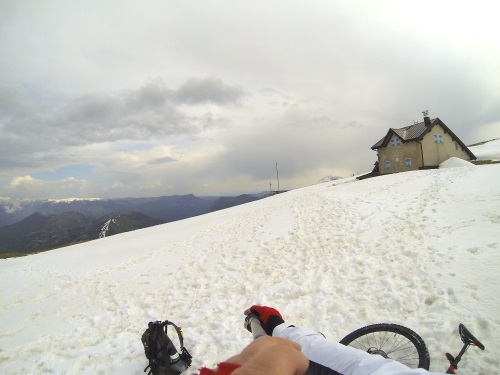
x=420 y=249
x=489 y=150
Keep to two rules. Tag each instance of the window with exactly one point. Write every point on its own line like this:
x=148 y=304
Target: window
x=438 y=138
x=408 y=163
x=388 y=165
x=395 y=142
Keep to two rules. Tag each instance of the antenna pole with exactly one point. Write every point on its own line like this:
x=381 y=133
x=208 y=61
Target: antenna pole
x=277 y=177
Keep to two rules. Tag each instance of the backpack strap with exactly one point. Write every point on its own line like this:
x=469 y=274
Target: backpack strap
x=183 y=352
x=177 y=329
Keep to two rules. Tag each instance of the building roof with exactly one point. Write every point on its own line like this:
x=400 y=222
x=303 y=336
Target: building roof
x=416 y=132
x=408 y=133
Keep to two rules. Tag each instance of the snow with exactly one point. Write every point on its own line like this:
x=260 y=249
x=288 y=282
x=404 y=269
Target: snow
x=105 y=228
x=417 y=248
x=455 y=162
x=487 y=151
x=69 y=200
x=328 y=178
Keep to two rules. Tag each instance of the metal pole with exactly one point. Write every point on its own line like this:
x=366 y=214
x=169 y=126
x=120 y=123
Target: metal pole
x=277 y=177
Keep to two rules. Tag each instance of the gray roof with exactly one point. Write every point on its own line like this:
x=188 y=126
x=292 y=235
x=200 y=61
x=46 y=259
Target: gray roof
x=408 y=133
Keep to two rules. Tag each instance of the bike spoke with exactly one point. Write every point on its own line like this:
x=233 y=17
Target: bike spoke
x=390 y=341
x=393 y=345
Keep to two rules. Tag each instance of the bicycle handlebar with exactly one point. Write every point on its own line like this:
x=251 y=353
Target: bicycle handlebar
x=255 y=327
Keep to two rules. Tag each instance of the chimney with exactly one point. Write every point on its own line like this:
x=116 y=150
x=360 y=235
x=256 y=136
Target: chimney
x=427 y=120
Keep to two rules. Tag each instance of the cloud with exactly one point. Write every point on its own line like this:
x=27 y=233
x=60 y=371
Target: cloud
x=153 y=94
x=29 y=187
x=12 y=102
x=138 y=115
x=163 y=160
x=304 y=139
x=28 y=180
x=150 y=112
x=209 y=90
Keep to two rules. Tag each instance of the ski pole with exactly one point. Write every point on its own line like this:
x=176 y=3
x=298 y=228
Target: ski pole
x=255 y=327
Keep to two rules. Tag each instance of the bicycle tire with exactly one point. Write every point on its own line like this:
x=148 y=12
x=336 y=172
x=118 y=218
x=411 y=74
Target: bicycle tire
x=391 y=341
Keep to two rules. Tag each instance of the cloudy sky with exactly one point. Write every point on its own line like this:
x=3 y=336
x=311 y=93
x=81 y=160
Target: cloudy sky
x=125 y=98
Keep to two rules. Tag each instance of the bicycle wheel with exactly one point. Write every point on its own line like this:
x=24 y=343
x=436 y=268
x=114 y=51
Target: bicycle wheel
x=391 y=341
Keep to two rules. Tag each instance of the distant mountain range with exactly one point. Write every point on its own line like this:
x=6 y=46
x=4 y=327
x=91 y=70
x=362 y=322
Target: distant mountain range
x=30 y=226
x=226 y=202
x=166 y=208
x=44 y=232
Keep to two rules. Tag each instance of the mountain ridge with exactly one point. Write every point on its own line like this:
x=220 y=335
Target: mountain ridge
x=166 y=208
x=40 y=232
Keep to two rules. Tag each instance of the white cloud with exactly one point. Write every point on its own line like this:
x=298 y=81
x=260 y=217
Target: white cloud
x=24 y=180
x=29 y=187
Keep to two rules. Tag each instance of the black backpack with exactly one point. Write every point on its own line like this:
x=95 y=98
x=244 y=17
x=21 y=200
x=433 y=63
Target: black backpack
x=164 y=359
